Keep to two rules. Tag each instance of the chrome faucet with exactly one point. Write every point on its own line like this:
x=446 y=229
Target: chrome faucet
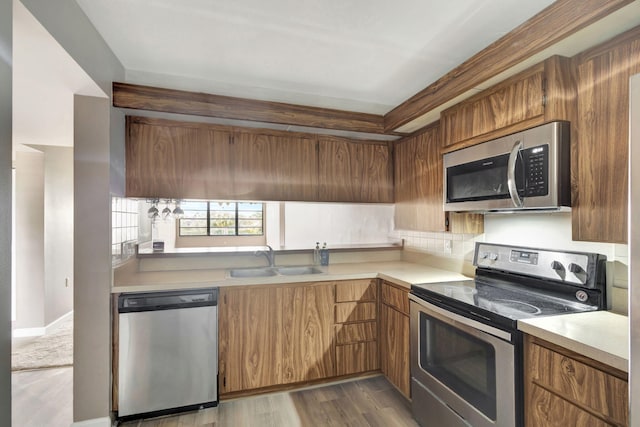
x=271 y=256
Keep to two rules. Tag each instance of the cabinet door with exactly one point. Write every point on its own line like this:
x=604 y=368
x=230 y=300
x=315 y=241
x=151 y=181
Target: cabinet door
x=177 y=160
x=418 y=182
x=250 y=338
x=309 y=349
x=601 y=149
x=394 y=348
x=512 y=105
x=159 y=158
x=275 y=167
x=354 y=171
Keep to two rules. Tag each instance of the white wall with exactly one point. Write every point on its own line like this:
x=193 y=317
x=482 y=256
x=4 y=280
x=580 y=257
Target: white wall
x=6 y=14
x=336 y=224
x=58 y=232
x=29 y=241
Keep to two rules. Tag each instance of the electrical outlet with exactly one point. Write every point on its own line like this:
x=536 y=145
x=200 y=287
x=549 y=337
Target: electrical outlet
x=447 y=246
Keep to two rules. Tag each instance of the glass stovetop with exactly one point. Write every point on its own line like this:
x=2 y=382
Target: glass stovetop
x=501 y=298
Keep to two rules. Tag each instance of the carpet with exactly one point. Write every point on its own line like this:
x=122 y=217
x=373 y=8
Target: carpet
x=48 y=351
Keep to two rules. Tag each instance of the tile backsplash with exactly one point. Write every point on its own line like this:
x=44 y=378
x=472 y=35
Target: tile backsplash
x=460 y=246
x=124 y=227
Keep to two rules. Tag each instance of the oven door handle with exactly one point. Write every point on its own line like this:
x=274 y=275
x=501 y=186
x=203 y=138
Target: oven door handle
x=450 y=318
x=511 y=174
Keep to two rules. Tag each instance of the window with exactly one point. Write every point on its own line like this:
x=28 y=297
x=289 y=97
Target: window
x=211 y=218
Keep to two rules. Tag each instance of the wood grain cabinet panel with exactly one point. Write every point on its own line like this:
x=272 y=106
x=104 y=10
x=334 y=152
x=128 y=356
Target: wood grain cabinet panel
x=355 y=312
x=553 y=411
x=418 y=186
x=250 y=338
x=565 y=388
x=308 y=344
x=356 y=290
x=356 y=332
x=394 y=337
x=356 y=358
x=542 y=93
x=356 y=326
x=275 y=167
x=419 y=182
x=166 y=160
x=601 y=148
x=352 y=171
x=275 y=335
x=395 y=297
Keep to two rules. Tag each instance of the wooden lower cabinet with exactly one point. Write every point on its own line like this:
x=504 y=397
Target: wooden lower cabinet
x=275 y=335
x=563 y=388
x=394 y=336
x=356 y=326
x=250 y=342
x=308 y=336
x=272 y=336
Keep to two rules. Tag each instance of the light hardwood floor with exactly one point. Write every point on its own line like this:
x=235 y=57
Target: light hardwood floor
x=42 y=398
x=366 y=402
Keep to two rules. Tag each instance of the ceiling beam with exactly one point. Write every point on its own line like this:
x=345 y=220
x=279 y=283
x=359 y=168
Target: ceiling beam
x=556 y=22
x=201 y=104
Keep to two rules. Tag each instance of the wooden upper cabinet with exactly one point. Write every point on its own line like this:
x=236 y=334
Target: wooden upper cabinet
x=542 y=93
x=274 y=166
x=601 y=150
x=354 y=171
x=173 y=160
x=418 y=182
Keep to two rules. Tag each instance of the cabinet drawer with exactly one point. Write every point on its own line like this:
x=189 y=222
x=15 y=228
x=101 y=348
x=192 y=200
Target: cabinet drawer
x=360 y=290
x=395 y=297
x=578 y=382
x=354 y=358
x=356 y=332
x=549 y=410
x=355 y=311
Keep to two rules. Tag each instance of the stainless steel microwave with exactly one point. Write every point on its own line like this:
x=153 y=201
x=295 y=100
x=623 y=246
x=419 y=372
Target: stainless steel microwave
x=528 y=170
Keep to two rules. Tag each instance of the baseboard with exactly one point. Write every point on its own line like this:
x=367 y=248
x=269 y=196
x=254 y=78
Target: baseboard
x=37 y=332
x=96 y=422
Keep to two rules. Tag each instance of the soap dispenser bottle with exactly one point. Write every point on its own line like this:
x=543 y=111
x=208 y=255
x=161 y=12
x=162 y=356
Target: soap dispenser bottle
x=316 y=254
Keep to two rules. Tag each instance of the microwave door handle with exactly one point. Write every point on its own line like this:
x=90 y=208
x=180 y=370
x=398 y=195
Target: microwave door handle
x=511 y=174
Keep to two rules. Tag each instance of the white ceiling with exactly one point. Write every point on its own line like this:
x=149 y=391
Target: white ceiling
x=359 y=55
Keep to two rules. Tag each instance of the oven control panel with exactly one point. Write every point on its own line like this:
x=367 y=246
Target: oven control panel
x=575 y=268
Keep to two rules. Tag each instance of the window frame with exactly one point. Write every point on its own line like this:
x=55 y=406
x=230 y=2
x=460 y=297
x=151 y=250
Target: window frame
x=236 y=221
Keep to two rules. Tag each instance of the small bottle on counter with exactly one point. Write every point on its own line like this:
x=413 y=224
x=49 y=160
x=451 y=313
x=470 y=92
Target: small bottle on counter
x=316 y=254
x=324 y=255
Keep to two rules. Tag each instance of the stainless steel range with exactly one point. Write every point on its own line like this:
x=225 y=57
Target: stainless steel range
x=466 y=350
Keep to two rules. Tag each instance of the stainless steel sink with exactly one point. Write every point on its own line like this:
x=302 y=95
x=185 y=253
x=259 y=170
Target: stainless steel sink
x=297 y=270
x=294 y=270
x=252 y=272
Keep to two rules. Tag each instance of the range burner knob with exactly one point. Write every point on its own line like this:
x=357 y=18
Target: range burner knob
x=575 y=268
x=557 y=265
x=493 y=256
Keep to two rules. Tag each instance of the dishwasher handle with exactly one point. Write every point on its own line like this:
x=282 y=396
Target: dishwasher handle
x=167 y=300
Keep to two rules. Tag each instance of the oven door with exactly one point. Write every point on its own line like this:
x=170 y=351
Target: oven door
x=462 y=371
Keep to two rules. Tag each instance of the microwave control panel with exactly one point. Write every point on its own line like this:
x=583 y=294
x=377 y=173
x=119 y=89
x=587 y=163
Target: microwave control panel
x=536 y=166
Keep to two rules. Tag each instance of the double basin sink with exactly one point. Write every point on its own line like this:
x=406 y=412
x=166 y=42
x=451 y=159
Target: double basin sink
x=294 y=270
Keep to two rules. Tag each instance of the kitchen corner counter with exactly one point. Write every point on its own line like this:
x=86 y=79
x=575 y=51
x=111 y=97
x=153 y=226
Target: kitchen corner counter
x=599 y=335
x=399 y=272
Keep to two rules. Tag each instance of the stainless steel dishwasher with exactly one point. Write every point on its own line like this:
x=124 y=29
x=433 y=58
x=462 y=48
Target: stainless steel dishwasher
x=168 y=352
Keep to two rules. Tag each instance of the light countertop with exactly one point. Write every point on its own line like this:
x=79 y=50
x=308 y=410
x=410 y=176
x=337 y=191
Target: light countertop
x=399 y=272
x=599 y=335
